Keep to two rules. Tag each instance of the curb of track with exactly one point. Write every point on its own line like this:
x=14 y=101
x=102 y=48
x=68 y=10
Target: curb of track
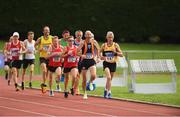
x=123 y=99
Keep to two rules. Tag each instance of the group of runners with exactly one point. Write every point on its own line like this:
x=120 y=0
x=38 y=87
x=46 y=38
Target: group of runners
x=68 y=56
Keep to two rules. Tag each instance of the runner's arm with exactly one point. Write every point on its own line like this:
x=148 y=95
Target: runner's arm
x=5 y=51
x=49 y=52
x=64 y=53
x=22 y=47
x=37 y=43
x=98 y=48
x=118 y=50
x=101 y=52
x=80 y=46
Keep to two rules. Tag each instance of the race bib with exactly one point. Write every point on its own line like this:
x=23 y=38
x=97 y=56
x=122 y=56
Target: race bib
x=15 y=53
x=109 y=56
x=45 y=47
x=31 y=49
x=71 y=59
x=89 y=56
x=56 y=59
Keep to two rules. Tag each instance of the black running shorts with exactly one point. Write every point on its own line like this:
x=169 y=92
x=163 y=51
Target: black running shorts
x=111 y=66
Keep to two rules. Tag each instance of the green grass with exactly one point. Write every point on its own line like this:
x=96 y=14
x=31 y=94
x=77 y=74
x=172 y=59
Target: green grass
x=122 y=92
x=142 y=46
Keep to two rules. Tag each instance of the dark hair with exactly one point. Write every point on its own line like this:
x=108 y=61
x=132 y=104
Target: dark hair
x=65 y=31
x=30 y=32
x=54 y=37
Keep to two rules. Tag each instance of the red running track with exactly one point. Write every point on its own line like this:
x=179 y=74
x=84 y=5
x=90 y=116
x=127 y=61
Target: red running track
x=32 y=103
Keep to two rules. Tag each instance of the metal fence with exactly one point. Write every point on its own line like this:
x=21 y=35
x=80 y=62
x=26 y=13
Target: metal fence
x=153 y=54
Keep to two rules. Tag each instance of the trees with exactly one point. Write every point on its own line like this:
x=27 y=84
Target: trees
x=128 y=19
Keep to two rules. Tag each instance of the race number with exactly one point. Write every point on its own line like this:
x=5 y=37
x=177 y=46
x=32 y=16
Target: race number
x=15 y=52
x=71 y=59
x=31 y=49
x=88 y=55
x=109 y=56
x=56 y=59
x=45 y=47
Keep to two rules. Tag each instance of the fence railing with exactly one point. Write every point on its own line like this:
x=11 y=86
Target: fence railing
x=138 y=54
x=153 y=54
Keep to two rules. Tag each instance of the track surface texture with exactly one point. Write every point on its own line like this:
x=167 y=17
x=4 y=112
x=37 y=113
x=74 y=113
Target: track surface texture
x=33 y=103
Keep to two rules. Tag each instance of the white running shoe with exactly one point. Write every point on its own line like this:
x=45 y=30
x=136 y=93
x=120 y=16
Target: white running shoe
x=85 y=96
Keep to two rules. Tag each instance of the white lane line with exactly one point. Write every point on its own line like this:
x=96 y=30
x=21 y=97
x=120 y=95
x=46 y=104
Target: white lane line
x=100 y=105
x=16 y=109
x=59 y=107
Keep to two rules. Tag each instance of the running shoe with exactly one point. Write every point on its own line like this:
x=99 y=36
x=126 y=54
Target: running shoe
x=72 y=91
x=9 y=83
x=109 y=95
x=16 y=87
x=6 y=76
x=30 y=84
x=22 y=85
x=66 y=94
x=85 y=96
x=105 y=93
x=58 y=88
x=51 y=94
x=89 y=86
x=94 y=86
x=43 y=88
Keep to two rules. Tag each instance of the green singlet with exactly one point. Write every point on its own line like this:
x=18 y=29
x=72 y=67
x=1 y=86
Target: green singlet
x=63 y=43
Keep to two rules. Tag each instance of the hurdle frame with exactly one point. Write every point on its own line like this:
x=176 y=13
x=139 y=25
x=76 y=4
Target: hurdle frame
x=122 y=79
x=159 y=87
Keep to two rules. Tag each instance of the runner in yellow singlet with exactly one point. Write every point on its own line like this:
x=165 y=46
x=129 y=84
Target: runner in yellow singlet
x=44 y=42
x=110 y=52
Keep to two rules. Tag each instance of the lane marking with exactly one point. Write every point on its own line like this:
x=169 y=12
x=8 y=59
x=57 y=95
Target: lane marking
x=26 y=111
x=100 y=105
x=59 y=107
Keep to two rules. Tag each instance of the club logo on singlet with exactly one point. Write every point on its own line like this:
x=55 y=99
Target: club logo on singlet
x=31 y=48
x=15 y=51
x=71 y=59
x=88 y=55
x=45 y=47
x=56 y=59
x=89 y=46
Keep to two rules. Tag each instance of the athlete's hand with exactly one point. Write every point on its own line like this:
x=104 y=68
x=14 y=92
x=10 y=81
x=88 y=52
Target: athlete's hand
x=70 y=53
x=103 y=58
x=8 y=53
x=98 y=60
x=19 y=52
x=57 y=54
x=120 y=54
x=41 y=49
x=29 y=52
x=83 y=56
